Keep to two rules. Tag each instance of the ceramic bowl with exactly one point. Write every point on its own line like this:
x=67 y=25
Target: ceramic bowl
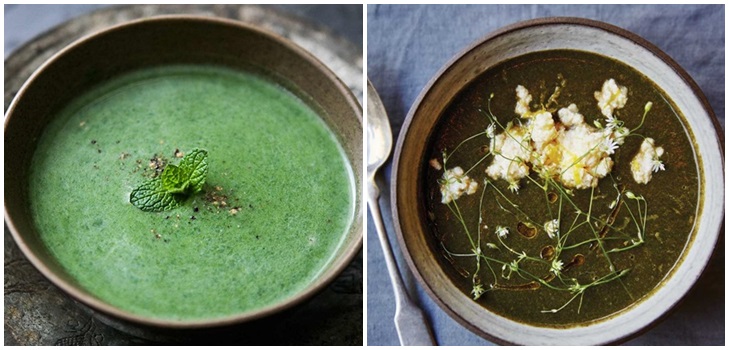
x=527 y=37
x=172 y=40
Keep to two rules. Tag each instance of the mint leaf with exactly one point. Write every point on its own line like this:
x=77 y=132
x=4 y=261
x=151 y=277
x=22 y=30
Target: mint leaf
x=152 y=196
x=175 y=183
x=175 y=179
x=195 y=164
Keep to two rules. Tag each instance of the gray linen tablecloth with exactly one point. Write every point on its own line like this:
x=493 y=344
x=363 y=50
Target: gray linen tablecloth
x=407 y=45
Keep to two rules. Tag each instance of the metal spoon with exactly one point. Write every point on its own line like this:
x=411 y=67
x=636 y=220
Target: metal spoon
x=412 y=327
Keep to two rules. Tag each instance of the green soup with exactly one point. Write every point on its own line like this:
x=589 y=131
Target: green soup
x=276 y=204
x=605 y=251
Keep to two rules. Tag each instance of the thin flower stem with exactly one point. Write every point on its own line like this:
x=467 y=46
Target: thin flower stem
x=530 y=266
x=464 y=141
x=477 y=163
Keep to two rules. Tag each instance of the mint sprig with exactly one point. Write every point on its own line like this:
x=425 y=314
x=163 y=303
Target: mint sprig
x=174 y=185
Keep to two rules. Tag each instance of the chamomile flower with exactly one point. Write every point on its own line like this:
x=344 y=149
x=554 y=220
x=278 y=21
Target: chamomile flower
x=514 y=187
x=576 y=287
x=610 y=145
x=477 y=291
x=612 y=122
x=658 y=165
x=502 y=231
x=490 y=130
x=552 y=227
x=557 y=266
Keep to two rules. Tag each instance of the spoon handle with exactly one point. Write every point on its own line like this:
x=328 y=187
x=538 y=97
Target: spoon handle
x=412 y=326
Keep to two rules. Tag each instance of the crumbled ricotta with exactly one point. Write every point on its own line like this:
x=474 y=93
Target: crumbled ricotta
x=583 y=158
x=564 y=147
x=455 y=183
x=512 y=150
x=646 y=161
x=570 y=116
x=542 y=129
x=575 y=153
x=523 y=99
x=611 y=97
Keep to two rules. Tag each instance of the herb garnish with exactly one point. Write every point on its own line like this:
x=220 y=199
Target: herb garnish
x=174 y=185
x=569 y=227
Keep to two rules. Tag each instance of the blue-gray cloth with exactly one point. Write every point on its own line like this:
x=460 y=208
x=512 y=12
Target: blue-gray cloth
x=407 y=45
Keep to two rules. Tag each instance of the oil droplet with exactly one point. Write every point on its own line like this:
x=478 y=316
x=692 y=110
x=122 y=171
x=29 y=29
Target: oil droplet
x=547 y=253
x=578 y=260
x=552 y=197
x=533 y=285
x=527 y=230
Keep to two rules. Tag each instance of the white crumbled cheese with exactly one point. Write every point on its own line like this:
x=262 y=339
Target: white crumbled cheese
x=611 y=97
x=604 y=167
x=542 y=129
x=523 y=99
x=455 y=183
x=573 y=151
x=570 y=116
x=569 y=150
x=583 y=159
x=512 y=149
x=648 y=157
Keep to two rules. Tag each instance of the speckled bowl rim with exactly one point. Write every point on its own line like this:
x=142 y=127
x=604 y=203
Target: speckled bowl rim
x=409 y=120
x=348 y=252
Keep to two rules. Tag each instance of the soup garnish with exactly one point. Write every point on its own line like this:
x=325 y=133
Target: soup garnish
x=531 y=210
x=175 y=183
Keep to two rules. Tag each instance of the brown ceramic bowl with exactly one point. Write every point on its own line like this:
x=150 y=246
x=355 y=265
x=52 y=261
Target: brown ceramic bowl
x=160 y=41
x=411 y=219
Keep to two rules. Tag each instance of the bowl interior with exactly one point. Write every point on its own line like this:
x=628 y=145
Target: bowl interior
x=533 y=36
x=163 y=41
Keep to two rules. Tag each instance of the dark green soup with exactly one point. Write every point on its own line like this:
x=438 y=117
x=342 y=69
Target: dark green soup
x=537 y=250
x=274 y=210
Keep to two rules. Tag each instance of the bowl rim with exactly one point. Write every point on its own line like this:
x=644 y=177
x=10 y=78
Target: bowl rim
x=348 y=251
x=517 y=26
